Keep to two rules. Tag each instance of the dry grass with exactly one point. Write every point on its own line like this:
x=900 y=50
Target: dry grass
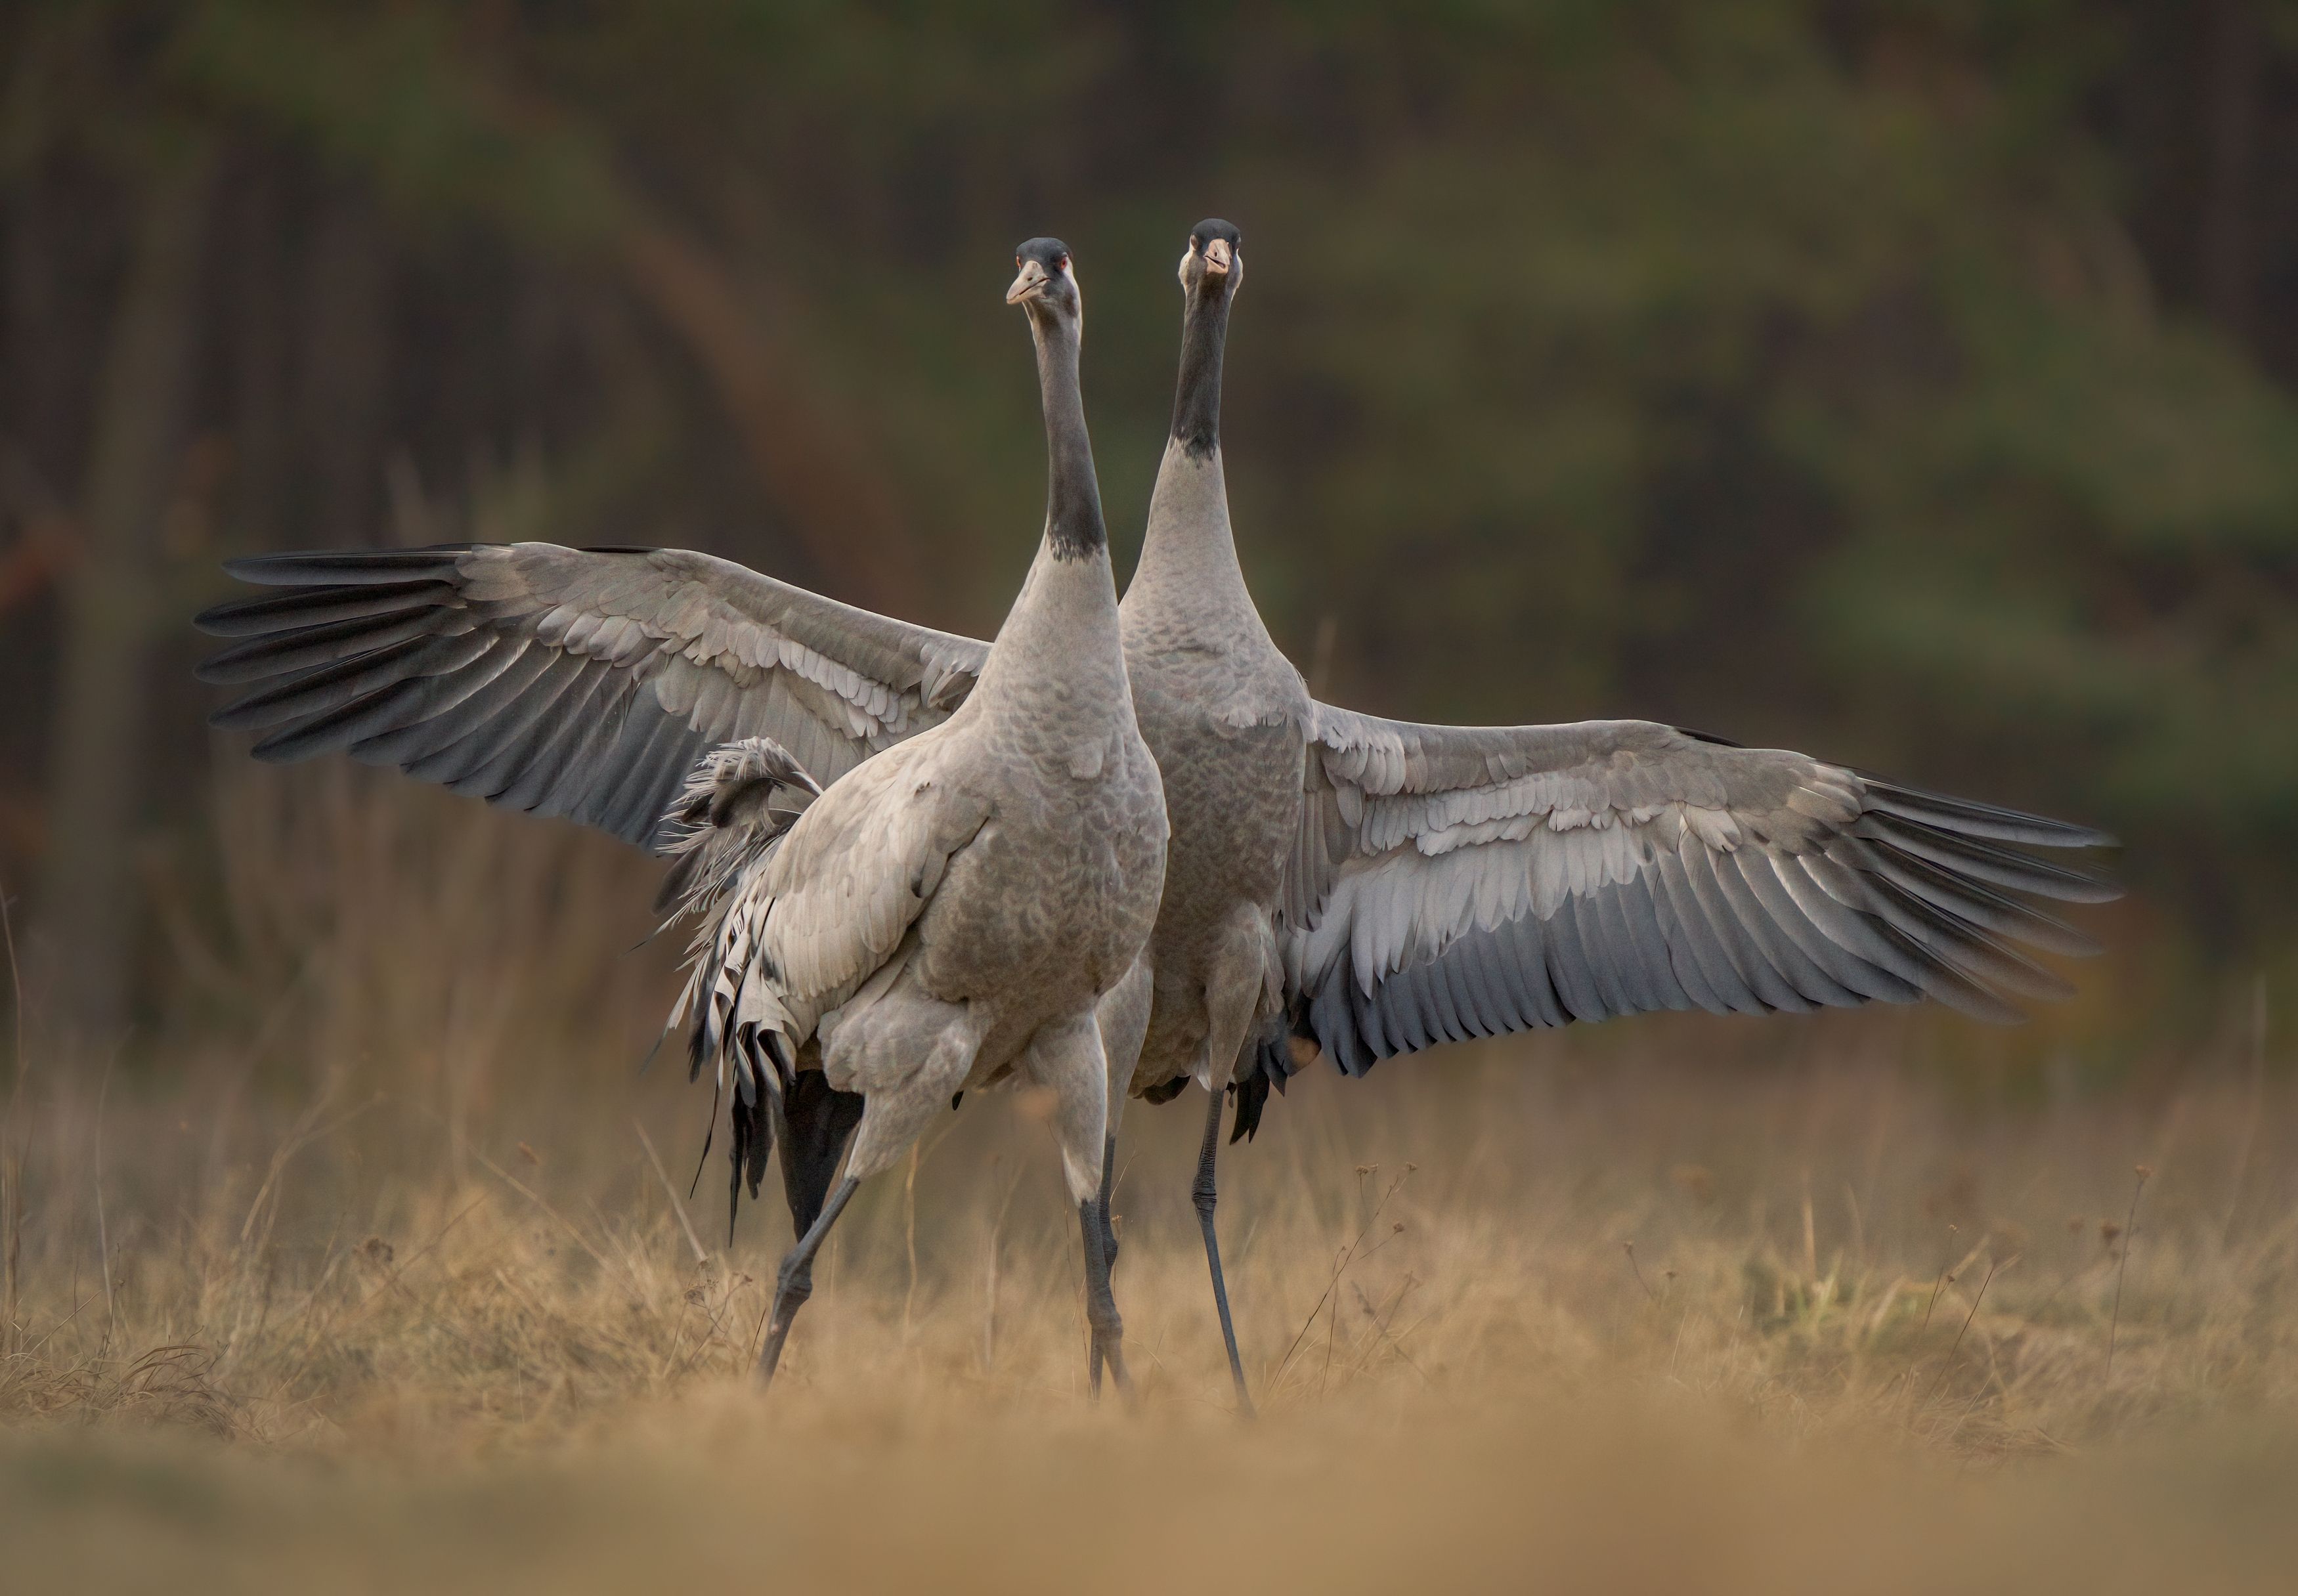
x=361 y=1273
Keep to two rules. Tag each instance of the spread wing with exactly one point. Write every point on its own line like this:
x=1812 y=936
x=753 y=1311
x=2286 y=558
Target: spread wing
x=578 y=681
x=1456 y=882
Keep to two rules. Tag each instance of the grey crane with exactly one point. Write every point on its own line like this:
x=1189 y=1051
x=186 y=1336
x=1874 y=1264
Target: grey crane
x=1228 y=719
x=946 y=915
x=1432 y=882
x=1376 y=886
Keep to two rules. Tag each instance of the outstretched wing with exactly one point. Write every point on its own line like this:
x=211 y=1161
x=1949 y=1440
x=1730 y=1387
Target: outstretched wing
x=1454 y=881
x=578 y=681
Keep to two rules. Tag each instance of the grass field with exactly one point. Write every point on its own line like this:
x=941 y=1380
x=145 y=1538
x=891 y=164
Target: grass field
x=374 y=1267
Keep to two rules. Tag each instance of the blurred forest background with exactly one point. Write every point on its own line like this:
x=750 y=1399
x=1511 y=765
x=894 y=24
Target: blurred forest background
x=1912 y=382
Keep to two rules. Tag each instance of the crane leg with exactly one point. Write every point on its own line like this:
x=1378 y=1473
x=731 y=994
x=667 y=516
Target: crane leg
x=1203 y=1194
x=1108 y=1243
x=795 y=1282
x=1101 y=1303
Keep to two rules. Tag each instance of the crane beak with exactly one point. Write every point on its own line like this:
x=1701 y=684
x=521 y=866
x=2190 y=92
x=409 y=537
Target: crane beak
x=1218 y=257
x=1030 y=284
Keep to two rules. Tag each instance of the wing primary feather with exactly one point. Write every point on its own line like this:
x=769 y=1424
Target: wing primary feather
x=1898 y=977
x=655 y=772
x=576 y=719
x=1772 y=989
x=290 y=653
x=1754 y=921
x=1999 y=867
x=1972 y=819
x=525 y=734
x=286 y=614
x=1974 y=900
x=1955 y=988
x=331 y=686
x=349 y=567
x=1758 y=869
x=450 y=725
x=408 y=698
x=1985 y=958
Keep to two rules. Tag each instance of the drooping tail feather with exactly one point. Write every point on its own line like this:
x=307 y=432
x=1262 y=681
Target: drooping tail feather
x=727 y=821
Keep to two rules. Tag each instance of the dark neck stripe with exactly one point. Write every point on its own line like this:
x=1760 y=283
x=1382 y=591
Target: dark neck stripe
x=1196 y=399
x=1074 y=523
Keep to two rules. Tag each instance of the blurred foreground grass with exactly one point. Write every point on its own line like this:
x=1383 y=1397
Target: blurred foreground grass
x=360 y=1274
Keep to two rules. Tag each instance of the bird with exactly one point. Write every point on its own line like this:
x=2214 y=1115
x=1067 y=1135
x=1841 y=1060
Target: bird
x=1228 y=719
x=1437 y=883
x=945 y=914
x=1353 y=888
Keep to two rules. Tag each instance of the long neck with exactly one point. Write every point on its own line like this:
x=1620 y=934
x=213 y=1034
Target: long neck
x=1188 y=557
x=1073 y=523
x=1196 y=399
x=1058 y=664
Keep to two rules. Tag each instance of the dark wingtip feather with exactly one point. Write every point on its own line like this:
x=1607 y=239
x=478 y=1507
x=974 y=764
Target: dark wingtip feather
x=306 y=568
x=1966 y=853
x=1970 y=818
x=1252 y=1099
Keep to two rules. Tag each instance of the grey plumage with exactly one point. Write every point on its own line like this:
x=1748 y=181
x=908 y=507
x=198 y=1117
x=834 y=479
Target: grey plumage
x=1340 y=884
x=582 y=682
x=1541 y=875
x=984 y=864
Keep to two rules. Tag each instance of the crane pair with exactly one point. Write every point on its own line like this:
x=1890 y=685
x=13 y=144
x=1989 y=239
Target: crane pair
x=1122 y=847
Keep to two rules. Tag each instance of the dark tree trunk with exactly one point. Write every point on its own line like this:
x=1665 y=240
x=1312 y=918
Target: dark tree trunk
x=110 y=603
x=346 y=368
x=2234 y=58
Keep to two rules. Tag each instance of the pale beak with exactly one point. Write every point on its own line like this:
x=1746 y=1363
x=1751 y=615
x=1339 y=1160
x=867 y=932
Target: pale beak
x=1030 y=284
x=1216 y=257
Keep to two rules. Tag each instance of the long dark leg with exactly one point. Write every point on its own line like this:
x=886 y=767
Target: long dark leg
x=1101 y=1303
x=795 y=1282
x=1108 y=1242
x=1202 y=1194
